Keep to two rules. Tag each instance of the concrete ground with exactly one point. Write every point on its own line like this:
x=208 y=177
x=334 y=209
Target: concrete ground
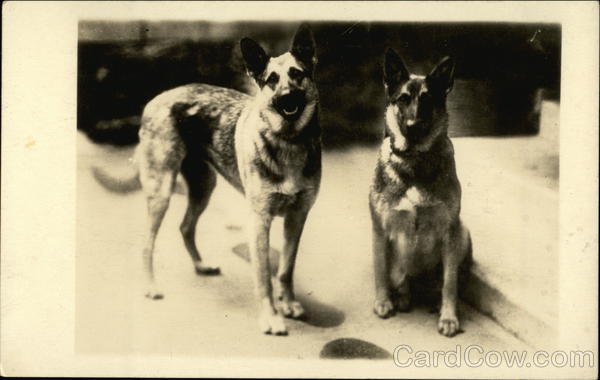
x=216 y=316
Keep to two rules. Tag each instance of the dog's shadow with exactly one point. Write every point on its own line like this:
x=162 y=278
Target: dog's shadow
x=318 y=314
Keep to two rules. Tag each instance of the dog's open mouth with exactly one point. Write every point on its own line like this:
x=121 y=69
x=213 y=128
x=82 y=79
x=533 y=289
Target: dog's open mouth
x=291 y=105
x=291 y=111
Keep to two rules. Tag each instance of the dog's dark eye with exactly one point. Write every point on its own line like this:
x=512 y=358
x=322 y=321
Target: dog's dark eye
x=273 y=78
x=295 y=74
x=404 y=99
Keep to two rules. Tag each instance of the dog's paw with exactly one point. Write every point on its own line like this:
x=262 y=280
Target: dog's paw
x=403 y=303
x=449 y=327
x=154 y=294
x=384 y=308
x=272 y=323
x=205 y=270
x=291 y=309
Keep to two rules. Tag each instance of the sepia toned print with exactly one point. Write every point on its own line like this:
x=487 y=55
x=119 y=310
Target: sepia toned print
x=504 y=105
x=306 y=189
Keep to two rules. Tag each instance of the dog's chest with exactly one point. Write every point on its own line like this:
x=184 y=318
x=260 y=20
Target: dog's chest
x=403 y=201
x=289 y=190
x=274 y=172
x=414 y=205
x=279 y=199
x=413 y=199
x=420 y=221
x=293 y=182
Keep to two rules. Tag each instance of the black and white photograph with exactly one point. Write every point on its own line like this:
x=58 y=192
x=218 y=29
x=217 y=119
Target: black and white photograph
x=300 y=189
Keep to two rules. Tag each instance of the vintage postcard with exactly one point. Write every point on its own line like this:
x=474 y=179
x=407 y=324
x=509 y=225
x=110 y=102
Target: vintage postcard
x=300 y=189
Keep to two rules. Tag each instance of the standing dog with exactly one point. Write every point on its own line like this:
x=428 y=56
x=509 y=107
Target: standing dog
x=415 y=195
x=266 y=146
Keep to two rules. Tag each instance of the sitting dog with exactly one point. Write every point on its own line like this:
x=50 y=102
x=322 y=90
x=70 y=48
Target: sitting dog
x=415 y=196
x=266 y=146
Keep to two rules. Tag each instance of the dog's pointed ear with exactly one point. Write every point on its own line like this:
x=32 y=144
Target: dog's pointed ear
x=303 y=47
x=394 y=71
x=255 y=57
x=441 y=78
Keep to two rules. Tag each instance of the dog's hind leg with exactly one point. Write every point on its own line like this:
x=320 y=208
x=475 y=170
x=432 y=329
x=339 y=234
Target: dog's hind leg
x=201 y=181
x=158 y=187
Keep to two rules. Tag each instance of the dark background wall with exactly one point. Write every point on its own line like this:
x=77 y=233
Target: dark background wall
x=503 y=71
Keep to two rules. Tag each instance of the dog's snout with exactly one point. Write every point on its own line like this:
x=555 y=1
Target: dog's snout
x=284 y=91
x=290 y=104
x=290 y=97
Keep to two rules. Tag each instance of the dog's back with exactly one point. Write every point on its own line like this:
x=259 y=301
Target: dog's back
x=196 y=120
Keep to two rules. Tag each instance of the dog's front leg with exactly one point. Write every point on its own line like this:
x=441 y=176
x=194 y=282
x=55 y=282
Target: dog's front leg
x=270 y=322
x=383 y=305
x=293 y=226
x=448 y=323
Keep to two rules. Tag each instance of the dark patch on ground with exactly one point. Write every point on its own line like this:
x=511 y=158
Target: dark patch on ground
x=351 y=348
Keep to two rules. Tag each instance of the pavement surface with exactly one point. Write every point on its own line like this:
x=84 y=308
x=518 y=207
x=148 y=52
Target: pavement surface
x=217 y=316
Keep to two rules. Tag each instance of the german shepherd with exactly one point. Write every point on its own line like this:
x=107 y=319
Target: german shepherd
x=267 y=146
x=415 y=196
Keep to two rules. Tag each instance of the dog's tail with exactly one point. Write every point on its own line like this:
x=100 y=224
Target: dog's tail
x=116 y=184
x=127 y=183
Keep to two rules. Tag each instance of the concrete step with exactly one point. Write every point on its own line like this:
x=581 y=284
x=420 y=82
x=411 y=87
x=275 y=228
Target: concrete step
x=511 y=205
